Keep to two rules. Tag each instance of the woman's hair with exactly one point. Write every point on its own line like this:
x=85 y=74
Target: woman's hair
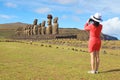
x=95 y=23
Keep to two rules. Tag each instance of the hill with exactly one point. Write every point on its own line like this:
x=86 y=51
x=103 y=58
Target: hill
x=12 y=25
x=84 y=35
x=8 y=30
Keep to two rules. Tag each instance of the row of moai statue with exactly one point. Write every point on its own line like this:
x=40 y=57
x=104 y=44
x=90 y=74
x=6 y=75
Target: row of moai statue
x=41 y=29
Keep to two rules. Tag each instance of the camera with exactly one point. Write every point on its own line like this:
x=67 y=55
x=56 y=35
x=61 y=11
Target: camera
x=90 y=21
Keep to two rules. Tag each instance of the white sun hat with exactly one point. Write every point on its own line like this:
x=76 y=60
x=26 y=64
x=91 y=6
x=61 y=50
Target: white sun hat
x=97 y=17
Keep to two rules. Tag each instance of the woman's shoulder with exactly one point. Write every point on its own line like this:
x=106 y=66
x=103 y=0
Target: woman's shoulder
x=101 y=25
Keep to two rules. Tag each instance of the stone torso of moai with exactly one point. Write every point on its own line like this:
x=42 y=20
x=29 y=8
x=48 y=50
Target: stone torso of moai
x=35 y=28
x=55 y=26
x=43 y=28
x=27 y=30
x=19 y=31
x=39 y=29
x=31 y=29
x=49 y=23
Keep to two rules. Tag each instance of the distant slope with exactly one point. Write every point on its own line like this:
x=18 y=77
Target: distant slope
x=108 y=37
x=7 y=30
x=8 y=33
x=12 y=25
x=83 y=35
x=68 y=31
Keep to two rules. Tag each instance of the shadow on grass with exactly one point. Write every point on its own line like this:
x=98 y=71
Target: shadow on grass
x=113 y=70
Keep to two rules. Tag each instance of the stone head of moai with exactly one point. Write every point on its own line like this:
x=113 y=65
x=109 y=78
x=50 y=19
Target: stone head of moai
x=49 y=21
x=39 y=25
x=49 y=16
x=55 y=20
x=43 y=24
x=35 y=21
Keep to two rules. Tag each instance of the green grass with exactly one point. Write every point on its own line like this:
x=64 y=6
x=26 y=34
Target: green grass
x=21 y=61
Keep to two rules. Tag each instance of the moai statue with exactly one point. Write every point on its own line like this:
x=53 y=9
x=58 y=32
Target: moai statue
x=49 y=23
x=55 y=26
x=39 y=29
x=27 y=30
x=19 y=31
x=31 y=29
x=35 y=28
x=43 y=28
x=35 y=22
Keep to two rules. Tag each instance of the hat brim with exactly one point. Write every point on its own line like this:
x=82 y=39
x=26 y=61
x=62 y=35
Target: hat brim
x=92 y=17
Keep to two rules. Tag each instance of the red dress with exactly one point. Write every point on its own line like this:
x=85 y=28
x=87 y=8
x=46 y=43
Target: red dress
x=94 y=40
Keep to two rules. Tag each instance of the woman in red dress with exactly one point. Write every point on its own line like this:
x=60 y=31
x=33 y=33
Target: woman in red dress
x=94 y=27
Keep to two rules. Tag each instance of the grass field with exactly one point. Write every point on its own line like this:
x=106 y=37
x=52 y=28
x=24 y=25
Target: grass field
x=43 y=61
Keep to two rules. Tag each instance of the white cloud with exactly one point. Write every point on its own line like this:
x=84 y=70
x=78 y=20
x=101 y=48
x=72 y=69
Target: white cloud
x=73 y=18
x=76 y=18
x=104 y=6
x=76 y=6
x=78 y=11
x=83 y=5
x=113 y=6
x=65 y=1
x=9 y=4
x=43 y=10
x=112 y=27
x=3 y=16
x=64 y=17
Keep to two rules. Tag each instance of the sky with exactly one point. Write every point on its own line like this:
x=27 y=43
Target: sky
x=71 y=13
